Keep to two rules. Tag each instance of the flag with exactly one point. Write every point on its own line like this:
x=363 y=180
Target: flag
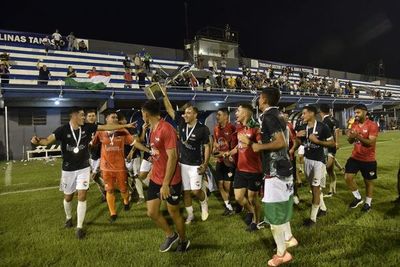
x=278 y=200
x=96 y=81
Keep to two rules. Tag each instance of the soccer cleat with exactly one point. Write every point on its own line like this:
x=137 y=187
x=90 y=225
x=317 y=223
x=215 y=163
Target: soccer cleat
x=80 y=234
x=355 y=203
x=169 y=242
x=238 y=209
x=68 y=223
x=113 y=218
x=189 y=219
x=183 y=246
x=308 y=223
x=366 y=207
x=204 y=211
x=278 y=260
x=228 y=212
x=292 y=242
x=249 y=218
x=330 y=194
x=321 y=213
x=127 y=207
x=252 y=227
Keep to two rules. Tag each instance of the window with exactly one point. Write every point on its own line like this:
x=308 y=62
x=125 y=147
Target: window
x=64 y=117
x=39 y=117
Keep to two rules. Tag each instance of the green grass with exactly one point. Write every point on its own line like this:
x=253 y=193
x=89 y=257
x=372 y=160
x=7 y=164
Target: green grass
x=32 y=234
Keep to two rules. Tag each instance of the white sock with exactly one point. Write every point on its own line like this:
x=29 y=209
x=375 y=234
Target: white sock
x=189 y=211
x=368 y=200
x=356 y=194
x=314 y=212
x=322 y=202
x=81 y=211
x=68 y=209
x=279 y=236
x=332 y=187
x=227 y=205
x=288 y=231
x=139 y=187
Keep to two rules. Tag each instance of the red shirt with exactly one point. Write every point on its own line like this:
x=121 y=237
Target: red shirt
x=226 y=138
x=360 y=151
x=292 y=134
x=128 y=78
x=162 y=138
x=248 y=160
x=112 y=149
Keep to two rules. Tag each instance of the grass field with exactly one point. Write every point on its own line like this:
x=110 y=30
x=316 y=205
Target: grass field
x=32 y=233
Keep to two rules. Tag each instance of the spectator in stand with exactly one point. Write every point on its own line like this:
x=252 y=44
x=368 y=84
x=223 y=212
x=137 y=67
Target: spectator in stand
x=128 y=78
x=82 y=46
x=223 y=64
x=5 y=59
x=211 y=64
x=207 y=84
x=147 y=60
x=44 y=74
x=141 y=78
x=71 y=73
x=47 y=44
x=138 y=63
x=127 y=63
x=57 y=40
x=239 y=84
x=4 y=75
x=231 y=82
x=71 y=41
x=92 y=72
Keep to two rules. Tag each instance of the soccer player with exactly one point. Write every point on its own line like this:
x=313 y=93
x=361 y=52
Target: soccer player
x=75 y=176
x=315 y=136
x=112 y=164
x=94 y=160
x=165 y=177
x=194 y=154
x=333 y=126
x=225 y=139
x=363 y=134
x=132 y=163
x=248 y=174
x=278 y=179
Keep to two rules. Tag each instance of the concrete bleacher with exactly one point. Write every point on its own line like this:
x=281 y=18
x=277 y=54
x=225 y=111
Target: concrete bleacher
x=23 y=60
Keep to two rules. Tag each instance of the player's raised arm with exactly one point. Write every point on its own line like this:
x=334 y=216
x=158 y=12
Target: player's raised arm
x=43 y=141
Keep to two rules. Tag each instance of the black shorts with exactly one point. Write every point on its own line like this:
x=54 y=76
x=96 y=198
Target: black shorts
x=153 y=192
x=332 y=151
x=368 y=169
x=251 y=181
x=223 y=172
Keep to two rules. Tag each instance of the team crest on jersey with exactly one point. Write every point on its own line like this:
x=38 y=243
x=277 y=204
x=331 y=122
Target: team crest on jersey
x=157 y=139
x=371 y=173
x=68 y=136
x=365 y=130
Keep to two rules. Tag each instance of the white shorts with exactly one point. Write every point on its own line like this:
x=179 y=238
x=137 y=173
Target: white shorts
x=300 y=151
x=74 y=180
x=145 y=166
x=94 y=165
x=315 y=172
x=191 y=179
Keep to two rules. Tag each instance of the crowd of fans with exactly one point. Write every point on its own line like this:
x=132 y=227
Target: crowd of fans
x=57 y=42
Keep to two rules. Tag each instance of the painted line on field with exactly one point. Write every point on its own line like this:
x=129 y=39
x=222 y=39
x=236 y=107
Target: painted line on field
x=17 y=184
x=29 y=190
x=7 y=174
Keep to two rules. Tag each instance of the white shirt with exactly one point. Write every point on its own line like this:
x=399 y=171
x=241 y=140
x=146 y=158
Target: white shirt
x=56 y=36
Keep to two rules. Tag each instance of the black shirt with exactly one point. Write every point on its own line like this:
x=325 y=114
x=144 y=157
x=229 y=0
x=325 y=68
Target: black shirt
x=191 y=150
x=71 y=74
x=142 y=77
x=275 y=163
x=313 y=151
x=332 y=124
x=44 y=74
x=75 y=161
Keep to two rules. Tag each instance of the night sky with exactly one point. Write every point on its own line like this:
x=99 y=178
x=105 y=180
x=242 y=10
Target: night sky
x=341 y=35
